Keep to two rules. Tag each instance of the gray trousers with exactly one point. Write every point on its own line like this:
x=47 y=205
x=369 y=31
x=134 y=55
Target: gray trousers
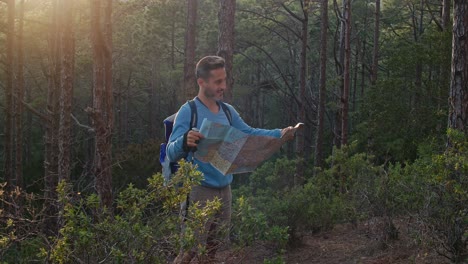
x=216 y=230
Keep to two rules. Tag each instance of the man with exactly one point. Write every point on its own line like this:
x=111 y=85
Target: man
x=211 y=79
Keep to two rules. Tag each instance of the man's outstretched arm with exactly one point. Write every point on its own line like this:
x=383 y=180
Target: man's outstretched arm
x=239 y=123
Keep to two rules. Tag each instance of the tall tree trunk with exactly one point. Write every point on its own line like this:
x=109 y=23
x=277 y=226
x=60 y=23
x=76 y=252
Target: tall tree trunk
x=102 y=110
x=66 y=92
x=226 y=21
x=151 y=105
x=323 y=84
x=363 y=66
x=340 y=73
x=9 y=71
x=419 y=30
x=346 y=74
x=173 y=29
x=375 y=55
x=300 y=138
x=357 y=57
x=19 y=99
x=104 y=182
x=446 y=14
x=51 y=127
x=458 y=100
x=190 y=88
x=28 y=130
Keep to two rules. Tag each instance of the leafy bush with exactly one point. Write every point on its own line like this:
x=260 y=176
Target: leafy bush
x=250 y=225
x=20 y=223
x=443 y=208
x=297 y=208
x=144 y=229
x=351 y=189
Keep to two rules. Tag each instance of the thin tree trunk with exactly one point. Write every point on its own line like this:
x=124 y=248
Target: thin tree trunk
x=28 y=130
x=363 y=67
x=118 y=109
x=102 y=111
x=419 y=30
x=126 y=119
x=323 y=84
x=375 y=55
x=106 y=155
x=226 y=16
x=151 y=104
x=340 y=72
x=346 y=74
x=458 y=100
x=9 y=71
x=173 y=28
x=363 y=53
x=66 y=91
x=356 y=71
x=19 y=99
x=50 y=137
x=300 y=138
x=446 y=14
x=190 y=89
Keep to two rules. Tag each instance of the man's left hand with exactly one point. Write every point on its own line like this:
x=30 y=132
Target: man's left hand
x=288 y=133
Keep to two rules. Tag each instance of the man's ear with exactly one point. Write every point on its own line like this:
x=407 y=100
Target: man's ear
x=200 y=82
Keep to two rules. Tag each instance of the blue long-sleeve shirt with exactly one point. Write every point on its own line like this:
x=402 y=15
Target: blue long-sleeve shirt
x=212 y=177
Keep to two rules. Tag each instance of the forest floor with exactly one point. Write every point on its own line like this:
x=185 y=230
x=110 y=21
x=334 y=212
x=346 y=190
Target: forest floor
x=346 y=243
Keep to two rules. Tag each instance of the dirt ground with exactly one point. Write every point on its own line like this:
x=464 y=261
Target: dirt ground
x=346 y=243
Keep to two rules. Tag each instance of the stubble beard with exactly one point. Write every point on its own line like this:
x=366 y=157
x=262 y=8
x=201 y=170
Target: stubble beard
x=213 y=95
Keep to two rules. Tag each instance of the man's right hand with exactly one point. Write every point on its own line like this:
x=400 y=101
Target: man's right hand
x=193 y=138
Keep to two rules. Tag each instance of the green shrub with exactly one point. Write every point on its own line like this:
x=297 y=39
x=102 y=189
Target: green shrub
x=251 y=225
x=443 y=205
x=297 y=208
x=20 y=223
x=351 y=189
x=145 y=227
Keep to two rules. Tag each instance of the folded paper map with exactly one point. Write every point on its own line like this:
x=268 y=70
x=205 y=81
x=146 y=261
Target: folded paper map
x=232 y=151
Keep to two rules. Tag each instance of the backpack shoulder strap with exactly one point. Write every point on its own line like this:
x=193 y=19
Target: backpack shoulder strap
x=193 y=115
x=227 y=112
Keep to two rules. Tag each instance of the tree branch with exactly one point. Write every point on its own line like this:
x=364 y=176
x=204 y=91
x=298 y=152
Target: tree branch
x=278 y=69
x=439 y=25
x=273 y=20
x=42 y=116
x=292 y=13
x=90 y=129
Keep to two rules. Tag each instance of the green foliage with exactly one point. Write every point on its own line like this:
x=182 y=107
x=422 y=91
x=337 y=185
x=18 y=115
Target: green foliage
x=445 y=211
x=355 y=176
x=297 y=208
x=398 y=113
x=276 y=260
x=433 y=189
x=351 y=189
x=144 y=229
x=19 y=226
x=251 y=225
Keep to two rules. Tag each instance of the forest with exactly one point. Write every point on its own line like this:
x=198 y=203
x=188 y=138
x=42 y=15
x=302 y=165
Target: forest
x=379 y=174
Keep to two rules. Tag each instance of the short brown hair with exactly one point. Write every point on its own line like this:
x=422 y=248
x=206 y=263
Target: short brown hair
x=206 y=65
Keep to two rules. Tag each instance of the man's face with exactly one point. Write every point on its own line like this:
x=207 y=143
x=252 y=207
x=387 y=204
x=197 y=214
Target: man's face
x=214 y=86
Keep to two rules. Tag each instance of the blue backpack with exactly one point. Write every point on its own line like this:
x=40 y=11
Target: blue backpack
x=169 y=168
